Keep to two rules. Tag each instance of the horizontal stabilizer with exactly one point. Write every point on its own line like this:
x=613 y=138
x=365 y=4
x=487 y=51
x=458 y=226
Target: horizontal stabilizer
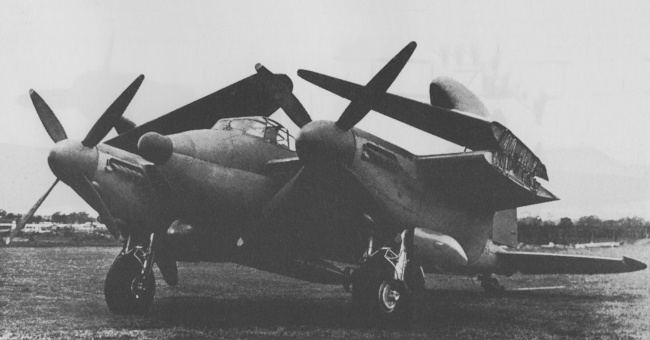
x=546 y=263
x=473 y=180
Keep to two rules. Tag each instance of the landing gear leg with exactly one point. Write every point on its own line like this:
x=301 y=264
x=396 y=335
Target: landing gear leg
x=130 y=284
x=389 y=283
x=490 y=284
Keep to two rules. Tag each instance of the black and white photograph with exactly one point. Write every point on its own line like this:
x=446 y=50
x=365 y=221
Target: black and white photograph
x=324 y=169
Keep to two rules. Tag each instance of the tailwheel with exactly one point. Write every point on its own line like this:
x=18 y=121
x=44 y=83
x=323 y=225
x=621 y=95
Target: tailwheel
x=490 y=284
x=130 y=286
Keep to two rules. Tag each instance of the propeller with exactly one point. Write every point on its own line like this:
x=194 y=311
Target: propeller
x=360 y=106
x=23 y=221
x=323 y=142
x=107 y=121
x=74 y=162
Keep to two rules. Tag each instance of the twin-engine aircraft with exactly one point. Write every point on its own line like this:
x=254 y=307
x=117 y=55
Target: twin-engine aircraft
x=219 y=181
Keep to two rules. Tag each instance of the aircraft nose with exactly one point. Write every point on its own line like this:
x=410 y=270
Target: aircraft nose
x=324 y=141
x=69 y=158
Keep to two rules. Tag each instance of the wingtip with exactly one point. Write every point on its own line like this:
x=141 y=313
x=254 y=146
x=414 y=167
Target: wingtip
x=258 y=66
x=31 y=92
x=634 y=265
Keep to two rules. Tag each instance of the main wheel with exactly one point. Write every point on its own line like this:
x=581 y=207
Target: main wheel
x=392 y=297
x=376 y=292
x=125 y=289
x=399 y=300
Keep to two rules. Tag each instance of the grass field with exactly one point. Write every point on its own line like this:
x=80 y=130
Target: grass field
x=58 y=293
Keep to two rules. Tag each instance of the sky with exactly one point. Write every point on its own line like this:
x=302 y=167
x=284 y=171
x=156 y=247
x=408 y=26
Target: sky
x=572 y=79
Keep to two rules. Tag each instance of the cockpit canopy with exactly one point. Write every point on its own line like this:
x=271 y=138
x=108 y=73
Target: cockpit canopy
x=261 y=127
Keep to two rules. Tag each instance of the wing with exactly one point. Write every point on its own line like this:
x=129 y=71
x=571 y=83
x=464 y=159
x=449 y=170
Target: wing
x=469 y=130
x=472 y=179
x=546 y=263
x=247 y=97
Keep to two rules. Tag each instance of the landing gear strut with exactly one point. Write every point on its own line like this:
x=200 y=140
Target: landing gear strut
x=490 y=284
x=389 y=283
x=130 y=284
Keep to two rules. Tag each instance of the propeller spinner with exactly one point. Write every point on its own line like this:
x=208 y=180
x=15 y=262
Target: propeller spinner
x=74 y=162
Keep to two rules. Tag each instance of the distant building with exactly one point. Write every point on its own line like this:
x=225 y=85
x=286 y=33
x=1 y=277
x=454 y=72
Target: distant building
x=5 y=228
x=88 y=227
x=38 y=228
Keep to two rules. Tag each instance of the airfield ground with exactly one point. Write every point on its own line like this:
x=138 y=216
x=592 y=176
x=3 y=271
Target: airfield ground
x=58 y=293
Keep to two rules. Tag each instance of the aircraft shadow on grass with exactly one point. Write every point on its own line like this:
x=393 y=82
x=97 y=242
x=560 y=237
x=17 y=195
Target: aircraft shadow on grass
x=440 y=309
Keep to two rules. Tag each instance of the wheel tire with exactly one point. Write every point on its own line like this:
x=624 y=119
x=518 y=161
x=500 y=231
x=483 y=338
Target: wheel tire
x=117 y=286
x=392 y=298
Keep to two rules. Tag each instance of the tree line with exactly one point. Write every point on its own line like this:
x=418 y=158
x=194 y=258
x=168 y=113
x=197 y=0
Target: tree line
x=530 y=230
x=57 y=217
x=534 y=230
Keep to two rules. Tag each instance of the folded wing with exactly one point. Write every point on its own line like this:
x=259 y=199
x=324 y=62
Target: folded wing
x=476 y=179
x=247 y=97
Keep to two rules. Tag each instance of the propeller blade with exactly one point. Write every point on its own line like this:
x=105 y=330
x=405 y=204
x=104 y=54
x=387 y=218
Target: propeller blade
x=363 y=99
x=360 y=106
x=48 y=118
x=385 y=78
x=29 y=214
x=86 y=190
x=108 y=120
x=284 y=97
